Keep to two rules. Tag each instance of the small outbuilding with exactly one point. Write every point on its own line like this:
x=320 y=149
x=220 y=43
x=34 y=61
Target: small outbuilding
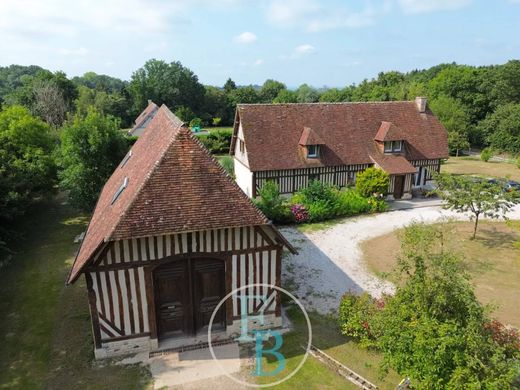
x=171 y=235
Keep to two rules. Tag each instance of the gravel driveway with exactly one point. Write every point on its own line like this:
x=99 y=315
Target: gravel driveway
x=330 y=263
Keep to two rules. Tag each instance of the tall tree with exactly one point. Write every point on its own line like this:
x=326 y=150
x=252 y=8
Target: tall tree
x=270 y=90
x=501 y=129
x=27 y=169
x=307 y=94
x=91 y=148
x=171 y=84
x=455 y=119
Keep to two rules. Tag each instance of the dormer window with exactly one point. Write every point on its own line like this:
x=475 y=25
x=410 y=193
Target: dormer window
x=393 y=146
x=313 y=151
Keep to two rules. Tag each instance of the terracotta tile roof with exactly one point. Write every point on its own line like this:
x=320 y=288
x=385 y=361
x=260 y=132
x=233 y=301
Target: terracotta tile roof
x=310 y=137
x=174 y=185
x=389 y=132
x=272 y=132
x=147 y=115
x=393 y=164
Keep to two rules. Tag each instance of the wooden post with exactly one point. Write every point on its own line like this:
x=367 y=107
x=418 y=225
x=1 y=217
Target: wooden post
x=93 y=311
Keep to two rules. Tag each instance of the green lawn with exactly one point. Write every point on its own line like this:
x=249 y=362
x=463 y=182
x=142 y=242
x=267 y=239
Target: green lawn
x=45 y=326
x=474 y=166
x=492 y=259
x=209 y=128
x=314 y=374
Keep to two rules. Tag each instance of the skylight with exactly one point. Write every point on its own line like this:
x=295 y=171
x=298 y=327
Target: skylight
x=125 y=160
x=119 y=190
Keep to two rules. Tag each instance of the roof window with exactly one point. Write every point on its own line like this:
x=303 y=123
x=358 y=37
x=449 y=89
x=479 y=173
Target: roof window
x=120 y=190
x=126 y=158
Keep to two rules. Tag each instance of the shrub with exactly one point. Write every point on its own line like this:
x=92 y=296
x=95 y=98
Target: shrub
x=486 y=154
x=196 y=122
x=272 y=204
x=324 y=201
x=218 y=141
x=227 y=164
x=351 y=203
x=300 y=213
x=372 y=181
x=216 y=121
x=355 y=315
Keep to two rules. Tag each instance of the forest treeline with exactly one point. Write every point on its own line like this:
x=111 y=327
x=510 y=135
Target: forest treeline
x=65 y=133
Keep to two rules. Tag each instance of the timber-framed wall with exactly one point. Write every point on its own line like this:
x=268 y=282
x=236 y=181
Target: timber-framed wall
x=121 y=287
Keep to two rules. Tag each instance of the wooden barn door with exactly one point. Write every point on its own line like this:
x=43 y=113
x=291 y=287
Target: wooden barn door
x=172 y=299
x=209 y=288
x=186 y=293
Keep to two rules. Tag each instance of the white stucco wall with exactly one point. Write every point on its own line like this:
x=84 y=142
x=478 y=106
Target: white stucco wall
x=244 y=177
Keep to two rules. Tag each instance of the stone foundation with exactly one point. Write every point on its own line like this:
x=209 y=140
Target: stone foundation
x=145 y=344
x=125 y=347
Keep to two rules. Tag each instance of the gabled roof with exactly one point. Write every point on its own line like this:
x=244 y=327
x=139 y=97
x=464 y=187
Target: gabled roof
x=393 y=164
x=389 y=132
x=309 y=137
x=272 y=132
x=144 y=118
x=173 y=185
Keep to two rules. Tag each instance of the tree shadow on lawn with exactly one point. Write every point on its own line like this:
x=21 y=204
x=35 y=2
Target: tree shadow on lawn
x=491 y=237
x=45 y=326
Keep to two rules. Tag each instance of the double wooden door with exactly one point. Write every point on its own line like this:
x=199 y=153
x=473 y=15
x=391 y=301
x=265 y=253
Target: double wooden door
x=186 y=294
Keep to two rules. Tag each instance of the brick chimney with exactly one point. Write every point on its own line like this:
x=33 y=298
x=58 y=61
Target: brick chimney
x=421 y=103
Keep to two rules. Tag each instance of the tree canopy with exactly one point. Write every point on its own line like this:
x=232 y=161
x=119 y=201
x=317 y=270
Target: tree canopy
x=91 y=148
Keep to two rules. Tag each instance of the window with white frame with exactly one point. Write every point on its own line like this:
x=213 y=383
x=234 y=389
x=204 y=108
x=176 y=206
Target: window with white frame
x=393 y=146
x=313 y=151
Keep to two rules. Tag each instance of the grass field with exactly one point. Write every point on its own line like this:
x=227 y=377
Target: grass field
x=491 y=259
x=326 y=336
x=210 y=129
x=474 y=166
x=45 y=326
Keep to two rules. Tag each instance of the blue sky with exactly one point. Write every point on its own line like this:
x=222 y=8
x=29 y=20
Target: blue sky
x=332 y=43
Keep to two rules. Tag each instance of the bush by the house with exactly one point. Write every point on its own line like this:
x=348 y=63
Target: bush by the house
x=372 y=181
x=272 y=204
x=218 y=141
x=300 y=213
x=486 y=154
x=227 y=164
x=317 y=202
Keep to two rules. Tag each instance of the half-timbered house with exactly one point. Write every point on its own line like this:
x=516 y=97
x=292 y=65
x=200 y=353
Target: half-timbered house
x=171 y=235
x=293 y=144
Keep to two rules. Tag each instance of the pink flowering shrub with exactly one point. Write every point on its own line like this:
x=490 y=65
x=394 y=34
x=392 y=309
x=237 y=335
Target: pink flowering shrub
x=300 y=213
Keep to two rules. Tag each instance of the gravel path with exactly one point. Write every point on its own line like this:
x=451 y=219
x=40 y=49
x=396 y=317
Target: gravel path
x=330 y=263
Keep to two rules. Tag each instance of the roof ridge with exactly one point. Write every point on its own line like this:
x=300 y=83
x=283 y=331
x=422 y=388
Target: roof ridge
x=164 y=109
x=325 y=103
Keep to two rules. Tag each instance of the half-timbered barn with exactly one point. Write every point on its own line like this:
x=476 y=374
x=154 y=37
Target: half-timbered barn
x=293 y=144
x=172 y=234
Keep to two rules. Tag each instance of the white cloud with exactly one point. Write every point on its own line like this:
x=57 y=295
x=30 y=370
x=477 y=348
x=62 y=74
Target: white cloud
x=305 y=49
x=422 y=6
x=259 y=62
x=313 y=16
x=79 y=52
x=245 y=38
